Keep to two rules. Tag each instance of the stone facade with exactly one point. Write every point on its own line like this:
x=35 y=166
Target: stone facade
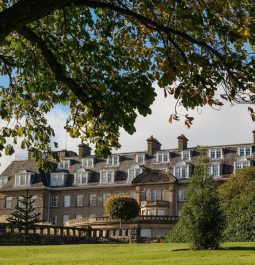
x=75 y=192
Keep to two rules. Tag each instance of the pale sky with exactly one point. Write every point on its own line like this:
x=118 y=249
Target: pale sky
x=230 y=125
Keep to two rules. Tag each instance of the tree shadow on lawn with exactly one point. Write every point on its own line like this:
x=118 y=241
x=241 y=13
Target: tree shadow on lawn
x=243 y=248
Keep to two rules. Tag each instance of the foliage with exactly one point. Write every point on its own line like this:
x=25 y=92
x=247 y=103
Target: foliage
x=238 y=200
x=101 y=58
x=121 y=207
x=201 y=222
x=24 y=217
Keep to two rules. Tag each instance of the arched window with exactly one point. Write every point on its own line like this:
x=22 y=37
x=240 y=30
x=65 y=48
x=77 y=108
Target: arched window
x=134 y=171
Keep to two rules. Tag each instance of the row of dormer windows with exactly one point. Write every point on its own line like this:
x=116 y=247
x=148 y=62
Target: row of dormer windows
x=161 y=157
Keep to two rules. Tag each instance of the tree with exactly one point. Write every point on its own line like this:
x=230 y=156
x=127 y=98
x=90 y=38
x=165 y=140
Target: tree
x=24 y=217
x=121 y=207
x=237 y=196
x=201 y=222
x=101 y=58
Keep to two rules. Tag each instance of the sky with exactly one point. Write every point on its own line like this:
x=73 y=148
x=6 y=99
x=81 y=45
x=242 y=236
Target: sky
x=229 y=125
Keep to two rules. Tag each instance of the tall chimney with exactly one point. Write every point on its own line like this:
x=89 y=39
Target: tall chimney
x=153 y=145
x=84 y=150
x=253 y=132
x=30 y=153
x=182 y=142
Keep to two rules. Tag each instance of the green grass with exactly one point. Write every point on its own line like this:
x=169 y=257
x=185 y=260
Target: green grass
x=154 y=254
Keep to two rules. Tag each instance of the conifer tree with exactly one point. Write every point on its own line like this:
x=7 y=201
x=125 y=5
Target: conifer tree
x=24 y=217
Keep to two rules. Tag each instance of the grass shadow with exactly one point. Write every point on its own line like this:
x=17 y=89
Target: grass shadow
x=244 y=248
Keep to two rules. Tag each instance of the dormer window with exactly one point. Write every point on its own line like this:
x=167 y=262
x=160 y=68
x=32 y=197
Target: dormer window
x=182 y=170
x=215 y=153
x=244 y=151
x=64 y=164
x=163 y=157
x=88 y=162
x=140 y=159
x=58 y=179
x=133 y=172
x=82 y=176
x=186 y=155
x=113 y=161
x=215 y=170
x=3 y=180
x=241 y=164
x=23 y=178
x=107 y=176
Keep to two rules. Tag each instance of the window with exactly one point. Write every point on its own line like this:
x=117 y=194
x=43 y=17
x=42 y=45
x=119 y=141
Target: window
x=106 y=195
x=54 y=201
x=215 y=153
x=65 y=218
x=66 y=200
x=8 y=202
x=241 y=164
x=153 y=195
x=79 y=200
x=132 y=194
x=64 y=164
x=134 y=171
x=34 y=199
x=113 y=161
x=186 y=155
x=88 y=162
x=23 y=178
x=57 y=179
x=3 y=181
x=92 y=199
x=107 y=176
x=20 y=200
x=81 y=177
x=140 y=158
x=162 y=157
x=244 y=151
x=182 y=195
x=78 y=216
x=54 y=220
x=161 y=212
x=214 y=170
x=182 y=170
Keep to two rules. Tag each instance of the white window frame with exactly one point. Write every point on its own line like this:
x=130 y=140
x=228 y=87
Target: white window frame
x=241 y=164
x=182 y=195
x=92 y=199
x=3 y=180
x=140 y=159
x=81 y=177
x=188 y=153
x=163 y=157
x=88 y=162
x=64 y=164
x=59 y=179
x=113 y=161
x=215 y=153
x=107 y=176
x=212 y=170
x=79 y=200
x=180 y=169
x=53 y=201
x=133 y=172
x=8 y=202
x=245 y=151
x=66 y=201
x=23 y=179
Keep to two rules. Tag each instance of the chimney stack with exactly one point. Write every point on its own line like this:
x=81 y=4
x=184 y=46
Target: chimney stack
x=84 y=150
x=30 y=153
x=182 y=143
x=62 y=153
x=153 y=145
x=253 y=132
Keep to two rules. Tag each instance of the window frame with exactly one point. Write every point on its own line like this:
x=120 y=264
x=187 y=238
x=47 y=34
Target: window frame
x=160 y=157
x=67 y=201
x=140 y=157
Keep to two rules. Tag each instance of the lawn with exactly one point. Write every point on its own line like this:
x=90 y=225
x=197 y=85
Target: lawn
x=233 y=253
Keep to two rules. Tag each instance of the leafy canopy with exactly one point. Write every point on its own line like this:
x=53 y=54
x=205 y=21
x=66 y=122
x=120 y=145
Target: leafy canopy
x=101 y=58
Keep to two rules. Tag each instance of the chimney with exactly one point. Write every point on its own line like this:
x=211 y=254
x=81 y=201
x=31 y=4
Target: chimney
x=182 y=143
x=84 y=150
x=253 y=132
x=153 y=145
x=30 y=153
